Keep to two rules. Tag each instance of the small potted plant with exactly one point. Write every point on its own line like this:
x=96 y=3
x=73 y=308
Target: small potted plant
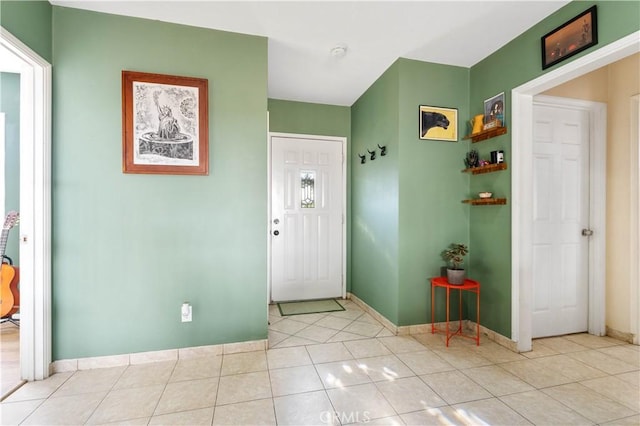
x=454 y=256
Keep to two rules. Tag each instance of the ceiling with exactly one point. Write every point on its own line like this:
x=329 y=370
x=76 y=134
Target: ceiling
x=302 y=33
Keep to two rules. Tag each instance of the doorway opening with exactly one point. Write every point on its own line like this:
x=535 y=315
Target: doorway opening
x=568 y=197
x=522 y=98
x=35 y=203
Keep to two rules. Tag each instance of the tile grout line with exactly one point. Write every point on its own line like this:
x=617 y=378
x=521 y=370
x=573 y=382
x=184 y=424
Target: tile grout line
x=427 y=346
x=567 y=406
x=324 y=388
x=46 y=399
x=215 y=401
x=351 y=321
x=155 y=408
x=399 y=415
x=273 y=400
x=572 y=381
x=93 y=412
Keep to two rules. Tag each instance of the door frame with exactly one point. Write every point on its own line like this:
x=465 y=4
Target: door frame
x=35 y=204
x=634 y=219
x=343 y=143
x=521 y=183
x=2 y=163
x=597 y=198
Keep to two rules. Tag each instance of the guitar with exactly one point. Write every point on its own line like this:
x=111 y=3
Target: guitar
x=9 y=296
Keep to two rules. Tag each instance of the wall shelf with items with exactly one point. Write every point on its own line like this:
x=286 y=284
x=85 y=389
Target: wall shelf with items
x=486 y=134
x=487 y=197
x=486 y=201
x=489 y=168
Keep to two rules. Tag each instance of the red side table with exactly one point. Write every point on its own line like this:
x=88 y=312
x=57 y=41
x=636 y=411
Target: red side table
x=468 y=285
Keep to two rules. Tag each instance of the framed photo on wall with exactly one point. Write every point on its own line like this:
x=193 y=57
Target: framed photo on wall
x=494 y=109
x=438 y=123
x=570 y=38
x=164 y=124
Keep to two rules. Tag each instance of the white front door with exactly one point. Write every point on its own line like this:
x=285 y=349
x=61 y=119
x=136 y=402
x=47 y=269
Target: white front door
x=560 y=214
x=307 y=198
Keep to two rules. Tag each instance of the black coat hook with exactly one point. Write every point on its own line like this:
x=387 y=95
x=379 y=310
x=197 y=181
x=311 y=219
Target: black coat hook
x=373 y=154
x=383 y=150
x=363 y=158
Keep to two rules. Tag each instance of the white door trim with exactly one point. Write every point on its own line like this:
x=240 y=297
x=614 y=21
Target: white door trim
x=597 y=199
x=634 y=220
x=521 y=176
x=2 y=165
x=343 y=142
x=35 y=204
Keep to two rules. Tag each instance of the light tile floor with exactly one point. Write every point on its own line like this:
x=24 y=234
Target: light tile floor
x=344 y=367
x=9 y=357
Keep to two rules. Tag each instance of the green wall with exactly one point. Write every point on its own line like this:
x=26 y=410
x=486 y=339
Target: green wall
x=374 y=196
x=431 y=186
x=398 y=236
x=10 y=106
x=316 y=119
x=29 y=21
x=309 y=119
x=128 y=249
x=513 y=65
x=407 y=205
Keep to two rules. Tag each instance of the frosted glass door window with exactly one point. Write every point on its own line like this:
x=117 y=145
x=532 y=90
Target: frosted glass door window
x=307 y=196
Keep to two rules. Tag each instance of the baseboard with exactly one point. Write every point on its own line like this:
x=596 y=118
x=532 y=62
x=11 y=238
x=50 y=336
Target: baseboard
x=156 y=356
x=426 y=328
x=619 y=335
x=495 y=337
x=65 y=365
x=375 y=314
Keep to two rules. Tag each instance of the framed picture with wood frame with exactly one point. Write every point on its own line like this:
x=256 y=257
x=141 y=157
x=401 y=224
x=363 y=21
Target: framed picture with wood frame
x=164 y=124
x=438 y=123
x=570 y=38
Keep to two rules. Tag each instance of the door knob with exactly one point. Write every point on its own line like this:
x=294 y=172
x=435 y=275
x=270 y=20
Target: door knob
x=276 y=232
x=587 y=232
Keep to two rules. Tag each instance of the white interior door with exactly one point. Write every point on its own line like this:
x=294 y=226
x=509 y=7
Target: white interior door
x=560 y=214
x=307 y=196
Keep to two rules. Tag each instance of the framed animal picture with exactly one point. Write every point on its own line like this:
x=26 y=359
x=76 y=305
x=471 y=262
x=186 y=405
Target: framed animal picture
x=438 y=123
